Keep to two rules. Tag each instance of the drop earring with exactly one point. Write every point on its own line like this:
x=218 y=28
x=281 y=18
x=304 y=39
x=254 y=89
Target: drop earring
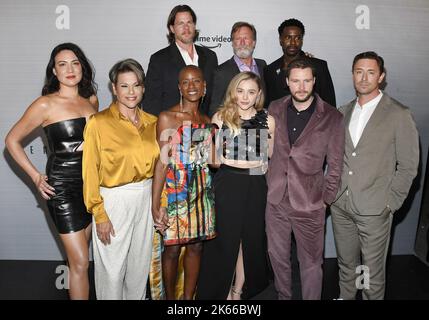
x=202 y=97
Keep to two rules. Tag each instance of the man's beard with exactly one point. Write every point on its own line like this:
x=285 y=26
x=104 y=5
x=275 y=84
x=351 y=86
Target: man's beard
x=305 y=99
x=243 y=52
x=186 y=38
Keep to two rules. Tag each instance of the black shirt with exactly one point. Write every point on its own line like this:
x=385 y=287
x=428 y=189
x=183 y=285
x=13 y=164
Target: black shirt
x=297 y=120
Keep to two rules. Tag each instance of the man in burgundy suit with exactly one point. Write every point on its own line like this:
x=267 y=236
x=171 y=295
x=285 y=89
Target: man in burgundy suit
x=308 y=132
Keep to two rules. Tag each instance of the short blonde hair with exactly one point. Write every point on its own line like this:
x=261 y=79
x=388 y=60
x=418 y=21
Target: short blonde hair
x=124 y=66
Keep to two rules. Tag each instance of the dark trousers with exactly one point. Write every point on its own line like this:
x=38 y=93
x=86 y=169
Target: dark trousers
x=308 y=229
x=240 y=215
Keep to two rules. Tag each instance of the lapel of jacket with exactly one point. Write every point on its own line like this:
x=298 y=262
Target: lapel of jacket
x=283 y=122
x=314 y=119
x=371 y=129
x=202 y=59
x=261 y=67
x=176 y=57
x=233 y=67
x=348 y=110
x=279 y=75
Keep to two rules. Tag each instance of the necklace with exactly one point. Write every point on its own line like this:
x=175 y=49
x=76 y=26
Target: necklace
x=135 y=120
x=247 y=117
x=190 y=112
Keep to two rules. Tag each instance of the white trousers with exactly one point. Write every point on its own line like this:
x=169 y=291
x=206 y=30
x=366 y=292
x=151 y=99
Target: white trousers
x=122 y=268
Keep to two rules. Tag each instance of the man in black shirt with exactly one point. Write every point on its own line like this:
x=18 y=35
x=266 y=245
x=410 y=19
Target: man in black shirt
x=308 y=132
x=291 y=37
x=297 y=119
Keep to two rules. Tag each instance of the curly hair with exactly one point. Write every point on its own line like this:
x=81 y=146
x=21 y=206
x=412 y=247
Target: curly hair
x=291 y=23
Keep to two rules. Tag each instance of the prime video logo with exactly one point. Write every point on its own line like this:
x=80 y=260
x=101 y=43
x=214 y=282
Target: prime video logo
x=213 y=42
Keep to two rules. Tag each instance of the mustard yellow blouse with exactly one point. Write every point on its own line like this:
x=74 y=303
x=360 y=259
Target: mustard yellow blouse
x=115 y=153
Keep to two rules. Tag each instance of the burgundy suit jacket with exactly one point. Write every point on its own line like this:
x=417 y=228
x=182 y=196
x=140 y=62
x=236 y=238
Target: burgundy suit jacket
x=301 y=167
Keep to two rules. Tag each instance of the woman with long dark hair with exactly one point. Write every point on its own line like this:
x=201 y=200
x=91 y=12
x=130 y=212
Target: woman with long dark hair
x=68 y=99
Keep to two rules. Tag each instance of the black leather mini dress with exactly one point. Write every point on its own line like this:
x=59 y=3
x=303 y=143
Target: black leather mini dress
x=64 y=171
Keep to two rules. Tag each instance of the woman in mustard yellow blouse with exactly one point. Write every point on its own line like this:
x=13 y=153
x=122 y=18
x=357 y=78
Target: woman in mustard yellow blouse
x=119 y=157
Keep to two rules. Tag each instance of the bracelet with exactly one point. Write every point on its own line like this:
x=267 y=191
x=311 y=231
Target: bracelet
x=236 y=292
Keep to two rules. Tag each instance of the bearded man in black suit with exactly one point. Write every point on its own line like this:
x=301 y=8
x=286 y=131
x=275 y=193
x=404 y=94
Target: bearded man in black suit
x=161 y=82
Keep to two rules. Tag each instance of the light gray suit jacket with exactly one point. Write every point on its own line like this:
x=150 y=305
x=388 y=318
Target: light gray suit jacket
x=378 y=173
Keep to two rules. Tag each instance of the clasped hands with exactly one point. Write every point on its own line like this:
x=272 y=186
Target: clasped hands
x=160 y=219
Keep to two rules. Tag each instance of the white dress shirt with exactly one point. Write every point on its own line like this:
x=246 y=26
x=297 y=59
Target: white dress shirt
x=361 y=116
x=187 y=58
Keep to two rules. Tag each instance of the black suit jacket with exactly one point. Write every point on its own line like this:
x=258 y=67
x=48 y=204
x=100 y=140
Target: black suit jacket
x=275 y=81
x=162 y=78
x=223 y=75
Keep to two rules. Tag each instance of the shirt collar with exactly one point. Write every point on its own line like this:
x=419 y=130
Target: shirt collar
x=186 y=57
x=310 y=109
x=114 y=109
x=370 y=104
x=244 y=67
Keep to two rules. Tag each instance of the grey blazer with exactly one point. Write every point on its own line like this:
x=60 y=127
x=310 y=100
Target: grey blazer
x=378 y=173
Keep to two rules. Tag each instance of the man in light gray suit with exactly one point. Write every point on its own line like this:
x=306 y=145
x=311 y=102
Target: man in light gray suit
x=380 y=162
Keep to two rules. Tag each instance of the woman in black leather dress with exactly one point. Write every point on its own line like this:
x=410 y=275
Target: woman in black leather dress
x=68 y=99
